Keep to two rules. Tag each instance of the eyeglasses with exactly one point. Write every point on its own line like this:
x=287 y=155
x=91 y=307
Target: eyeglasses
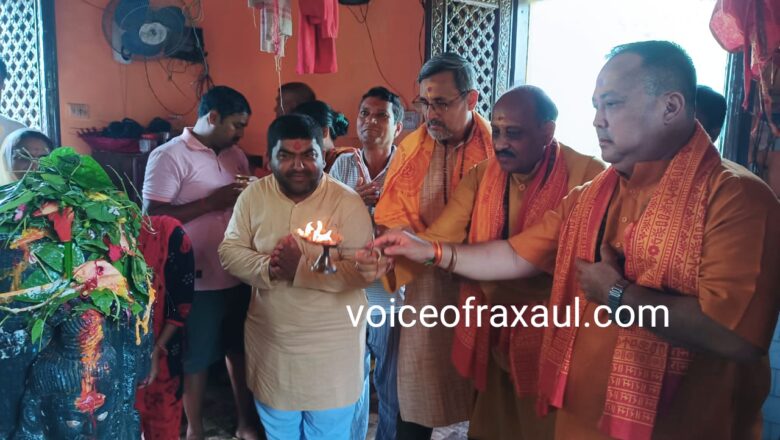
x=440 y=107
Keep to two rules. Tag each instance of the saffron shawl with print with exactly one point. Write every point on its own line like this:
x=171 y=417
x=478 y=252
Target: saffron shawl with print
x=663 y=251
x=399 y=204
x=472 y=344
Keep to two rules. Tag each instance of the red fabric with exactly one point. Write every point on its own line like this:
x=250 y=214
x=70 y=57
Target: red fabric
x=158 y=404
x=318 y=27
x=752 y=26
x=154 y=246
x=159 y=407
x=472 y=344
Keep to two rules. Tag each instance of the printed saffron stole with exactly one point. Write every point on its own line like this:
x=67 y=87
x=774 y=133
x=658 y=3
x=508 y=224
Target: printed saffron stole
x=471 y=346
x=663 y=251
x=399 y=204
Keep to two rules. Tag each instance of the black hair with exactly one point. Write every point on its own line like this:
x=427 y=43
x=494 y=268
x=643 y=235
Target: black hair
x=30 y=133
x=325 y=116
x=667 y=68
x=462 y=70
x=710 y=110
x=293 y=126
x=225 y=101
x=387 y=96
x=302 y=89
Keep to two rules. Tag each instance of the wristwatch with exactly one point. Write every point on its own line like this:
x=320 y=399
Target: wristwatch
x=616 y=294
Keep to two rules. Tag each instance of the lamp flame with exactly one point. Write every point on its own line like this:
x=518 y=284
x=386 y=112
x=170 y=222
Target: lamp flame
x=318 y=235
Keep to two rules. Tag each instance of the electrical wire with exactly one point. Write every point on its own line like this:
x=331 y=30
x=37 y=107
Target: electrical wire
x=188 y=9
x=169 y=76
x=420 y=37
x=157 y=98
x=363 y=19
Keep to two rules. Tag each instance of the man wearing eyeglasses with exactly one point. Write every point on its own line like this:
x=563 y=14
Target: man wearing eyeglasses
x=424 y=172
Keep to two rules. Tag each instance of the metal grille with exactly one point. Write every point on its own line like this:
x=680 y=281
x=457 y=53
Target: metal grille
x=22 y=98
x=471 y=33
x=478 y=30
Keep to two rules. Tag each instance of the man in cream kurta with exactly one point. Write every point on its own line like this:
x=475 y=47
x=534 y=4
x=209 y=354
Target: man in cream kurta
x=304 y=353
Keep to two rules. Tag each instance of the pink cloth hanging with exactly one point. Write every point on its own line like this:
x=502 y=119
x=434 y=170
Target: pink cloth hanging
x=318 y=28
x=751 y=26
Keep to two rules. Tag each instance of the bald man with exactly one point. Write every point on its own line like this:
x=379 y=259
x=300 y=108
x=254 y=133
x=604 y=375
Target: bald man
x=670 y=232
x=500 y=197
x=292 y=95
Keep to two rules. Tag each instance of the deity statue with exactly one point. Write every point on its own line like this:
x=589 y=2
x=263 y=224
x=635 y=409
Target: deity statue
x=75 y=296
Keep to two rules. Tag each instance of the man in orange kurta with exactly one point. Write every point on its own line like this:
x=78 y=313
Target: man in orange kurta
x=530 y=174
x=669 y=224
x=423 y=174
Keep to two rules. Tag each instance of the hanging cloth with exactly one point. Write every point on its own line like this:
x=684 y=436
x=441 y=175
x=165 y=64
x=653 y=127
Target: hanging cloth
x=318 y=28
x=275 y=24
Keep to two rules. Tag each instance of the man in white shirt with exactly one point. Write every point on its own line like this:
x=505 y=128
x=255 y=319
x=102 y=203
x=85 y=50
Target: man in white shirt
x=379 y=123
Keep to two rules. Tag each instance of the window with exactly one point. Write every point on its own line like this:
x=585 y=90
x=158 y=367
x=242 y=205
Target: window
x=27 y=45
x=568 y=40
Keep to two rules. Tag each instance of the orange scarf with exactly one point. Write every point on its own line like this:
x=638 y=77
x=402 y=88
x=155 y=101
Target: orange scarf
x=400 y=201
x=471 y=345
x=663 y=250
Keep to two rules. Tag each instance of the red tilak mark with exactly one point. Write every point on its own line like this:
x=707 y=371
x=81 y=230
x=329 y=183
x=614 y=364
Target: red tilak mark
x=429 y=89
x=90 y=402
x=90 y=337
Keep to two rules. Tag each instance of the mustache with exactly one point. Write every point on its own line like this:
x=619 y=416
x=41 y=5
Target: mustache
x=505 y=154
x=291 y=174
x=603 y=136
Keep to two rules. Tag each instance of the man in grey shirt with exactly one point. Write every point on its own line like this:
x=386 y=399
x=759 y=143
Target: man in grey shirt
x=379 y=122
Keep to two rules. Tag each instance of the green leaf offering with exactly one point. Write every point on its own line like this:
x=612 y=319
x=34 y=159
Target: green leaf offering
x=75 y=275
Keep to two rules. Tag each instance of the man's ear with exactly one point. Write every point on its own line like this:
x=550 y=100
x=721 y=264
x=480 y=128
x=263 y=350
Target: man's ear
x=548 y=128
x=399 y=127
x=472 y=98
x=674 y=106
x=214 y=118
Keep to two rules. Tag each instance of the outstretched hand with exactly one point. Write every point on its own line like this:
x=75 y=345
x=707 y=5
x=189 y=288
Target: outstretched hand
x=396 y=242
x=371 y=264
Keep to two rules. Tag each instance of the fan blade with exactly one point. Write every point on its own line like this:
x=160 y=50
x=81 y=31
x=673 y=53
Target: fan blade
x=172 y=17
x=131 y=14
